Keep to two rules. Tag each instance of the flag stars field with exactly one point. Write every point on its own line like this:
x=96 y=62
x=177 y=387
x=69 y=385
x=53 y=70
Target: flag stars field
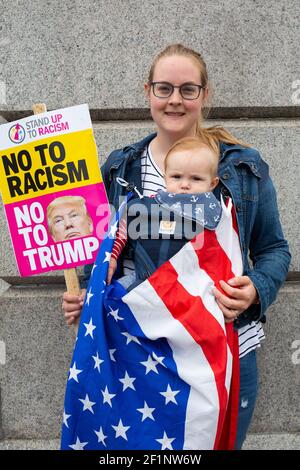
x=88 y=297
x=98 y=361
x=150 y=365
x=146 y=412
x=107 y=397
x=114 y=314
x=89 y=328
x=121 y=430
x=74 y=372
x=107 y=257
x=111 y=354
x=159 y=359
x=166 y=442
x=130 y=338
x=101 y=436
x=113 y=230
x=93 y=269
x=169 y=395
x=87 y=404
x=127 y=382
x=65 y=418
x=78 y=445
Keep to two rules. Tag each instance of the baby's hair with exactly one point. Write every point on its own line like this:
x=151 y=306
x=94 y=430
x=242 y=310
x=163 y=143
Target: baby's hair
x=192 y=143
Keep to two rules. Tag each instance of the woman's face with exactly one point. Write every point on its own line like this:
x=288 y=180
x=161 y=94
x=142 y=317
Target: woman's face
x=175 y=116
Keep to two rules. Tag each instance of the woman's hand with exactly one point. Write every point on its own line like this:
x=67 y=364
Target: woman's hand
x=242 y=294
x=72 y=305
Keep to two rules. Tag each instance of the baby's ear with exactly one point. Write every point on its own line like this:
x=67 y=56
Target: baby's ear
x=214 y=182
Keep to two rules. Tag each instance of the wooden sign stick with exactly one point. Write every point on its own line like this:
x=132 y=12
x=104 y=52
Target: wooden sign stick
x=71 y=277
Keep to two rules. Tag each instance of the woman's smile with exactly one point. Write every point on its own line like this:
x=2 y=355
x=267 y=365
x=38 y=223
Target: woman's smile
x=174 y=114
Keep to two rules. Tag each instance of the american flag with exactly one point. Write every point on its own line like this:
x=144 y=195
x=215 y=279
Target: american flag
x=152 y=368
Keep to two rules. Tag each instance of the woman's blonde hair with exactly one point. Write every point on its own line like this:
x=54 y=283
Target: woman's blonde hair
x=212 y=136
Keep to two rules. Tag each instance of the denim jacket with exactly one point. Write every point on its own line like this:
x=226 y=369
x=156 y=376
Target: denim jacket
x=244 y=176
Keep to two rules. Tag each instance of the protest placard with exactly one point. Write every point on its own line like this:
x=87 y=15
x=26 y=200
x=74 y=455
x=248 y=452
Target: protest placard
x=52 y=190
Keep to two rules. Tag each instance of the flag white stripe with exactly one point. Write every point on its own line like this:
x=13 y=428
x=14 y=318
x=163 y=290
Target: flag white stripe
x=203 y=402
x=228 y=370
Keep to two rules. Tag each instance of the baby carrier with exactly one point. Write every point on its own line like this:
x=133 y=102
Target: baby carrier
x=159 y=227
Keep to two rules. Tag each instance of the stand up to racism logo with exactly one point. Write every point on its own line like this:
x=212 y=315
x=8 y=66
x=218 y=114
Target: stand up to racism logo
x=17 y=133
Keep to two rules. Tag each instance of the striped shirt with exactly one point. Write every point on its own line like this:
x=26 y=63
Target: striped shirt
x=250 y=335
x=152 y=177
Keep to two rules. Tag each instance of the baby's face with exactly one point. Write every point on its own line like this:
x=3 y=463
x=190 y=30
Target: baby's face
x=190 y=171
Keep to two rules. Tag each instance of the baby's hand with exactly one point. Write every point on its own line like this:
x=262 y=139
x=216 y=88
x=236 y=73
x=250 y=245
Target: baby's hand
x=111 y=270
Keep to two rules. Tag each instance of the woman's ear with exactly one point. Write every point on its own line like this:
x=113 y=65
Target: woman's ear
x=205 y=95
x=147 y=88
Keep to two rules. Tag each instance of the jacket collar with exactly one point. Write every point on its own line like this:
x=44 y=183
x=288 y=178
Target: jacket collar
x=249 y=153
x=136 y=149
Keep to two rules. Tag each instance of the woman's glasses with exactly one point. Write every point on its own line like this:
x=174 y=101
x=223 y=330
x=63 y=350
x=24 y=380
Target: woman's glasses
x=188 y=91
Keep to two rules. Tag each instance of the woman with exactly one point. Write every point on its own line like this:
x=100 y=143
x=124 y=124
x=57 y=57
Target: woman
x=177 y=90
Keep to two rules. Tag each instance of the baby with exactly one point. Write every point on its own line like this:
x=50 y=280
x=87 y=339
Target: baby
x=190 y=168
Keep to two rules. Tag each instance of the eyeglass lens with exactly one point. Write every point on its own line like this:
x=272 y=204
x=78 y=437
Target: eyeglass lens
x=187 y=90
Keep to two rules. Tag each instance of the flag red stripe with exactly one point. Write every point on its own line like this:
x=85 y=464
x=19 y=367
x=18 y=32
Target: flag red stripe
x=228 y=436
x=212 y=258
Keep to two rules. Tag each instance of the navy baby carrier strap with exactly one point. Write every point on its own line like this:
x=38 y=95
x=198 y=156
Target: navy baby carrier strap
x=203 y=208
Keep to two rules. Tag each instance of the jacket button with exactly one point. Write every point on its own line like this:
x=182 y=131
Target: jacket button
x=226 y=176
x=238 y=207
